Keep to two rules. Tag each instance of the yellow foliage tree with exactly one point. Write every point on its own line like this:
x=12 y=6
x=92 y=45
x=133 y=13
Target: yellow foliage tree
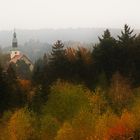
x=20 y=125
x=66 y=132
x=120 y=93
x=103 y=124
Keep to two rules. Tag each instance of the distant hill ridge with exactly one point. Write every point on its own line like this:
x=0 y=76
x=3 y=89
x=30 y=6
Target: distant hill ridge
x=87 y=35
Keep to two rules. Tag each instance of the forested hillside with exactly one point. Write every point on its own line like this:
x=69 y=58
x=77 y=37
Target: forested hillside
x=75 y=93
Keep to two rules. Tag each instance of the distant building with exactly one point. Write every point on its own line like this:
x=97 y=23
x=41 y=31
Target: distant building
x=16 y=55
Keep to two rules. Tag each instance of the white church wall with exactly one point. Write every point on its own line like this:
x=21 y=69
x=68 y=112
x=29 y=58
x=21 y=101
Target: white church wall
x=14 y=53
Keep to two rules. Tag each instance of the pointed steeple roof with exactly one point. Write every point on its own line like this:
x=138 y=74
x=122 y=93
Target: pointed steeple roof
x=14 y=41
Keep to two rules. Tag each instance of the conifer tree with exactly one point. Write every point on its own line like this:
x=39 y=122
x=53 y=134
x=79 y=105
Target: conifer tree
x=106 y=35
x=104 y=55
x=127 y=36
x=57 y=50
x=57 y=60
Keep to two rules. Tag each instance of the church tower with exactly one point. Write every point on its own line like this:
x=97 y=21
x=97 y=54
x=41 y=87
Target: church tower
x=14 y=51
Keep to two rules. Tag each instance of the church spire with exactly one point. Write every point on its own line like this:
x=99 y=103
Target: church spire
x=14 y=42
x=14 y=51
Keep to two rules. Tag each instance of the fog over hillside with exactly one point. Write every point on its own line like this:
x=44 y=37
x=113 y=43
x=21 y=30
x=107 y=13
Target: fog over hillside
x=87 y=35
x=35 y=43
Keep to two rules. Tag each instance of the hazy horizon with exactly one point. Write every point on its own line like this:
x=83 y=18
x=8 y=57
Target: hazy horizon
x=61 y=14
x=64 y=28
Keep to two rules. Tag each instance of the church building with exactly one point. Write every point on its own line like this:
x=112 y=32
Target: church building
x=16 y=55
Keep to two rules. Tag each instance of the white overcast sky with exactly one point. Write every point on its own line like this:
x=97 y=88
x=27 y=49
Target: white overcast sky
x=37 y=14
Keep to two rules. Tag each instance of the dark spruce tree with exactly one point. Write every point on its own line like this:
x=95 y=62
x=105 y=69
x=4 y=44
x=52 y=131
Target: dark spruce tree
x=48 y=69
x=126 y=38
x=106 y=35
x=126 y=44
x=3 y=91
x=11 y=95
x=17 y=98
x=57 y=50
x=104 y=55
x=57 y=61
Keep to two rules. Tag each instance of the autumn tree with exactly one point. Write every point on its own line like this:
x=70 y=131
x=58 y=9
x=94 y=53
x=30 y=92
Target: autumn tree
x=49 y=127
x=120 y=93
x=65 y=99
x=20 y=125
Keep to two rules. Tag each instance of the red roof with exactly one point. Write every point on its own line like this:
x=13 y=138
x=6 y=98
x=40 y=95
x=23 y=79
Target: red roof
x=16 y=58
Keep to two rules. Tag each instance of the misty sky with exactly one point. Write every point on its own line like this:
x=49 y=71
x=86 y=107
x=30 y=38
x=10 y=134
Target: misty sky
x=37 y=14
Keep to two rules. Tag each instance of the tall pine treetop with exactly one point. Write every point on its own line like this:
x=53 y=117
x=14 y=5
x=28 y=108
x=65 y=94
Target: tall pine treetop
x=57 y=49
x=127 y=36
x=106 y=35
